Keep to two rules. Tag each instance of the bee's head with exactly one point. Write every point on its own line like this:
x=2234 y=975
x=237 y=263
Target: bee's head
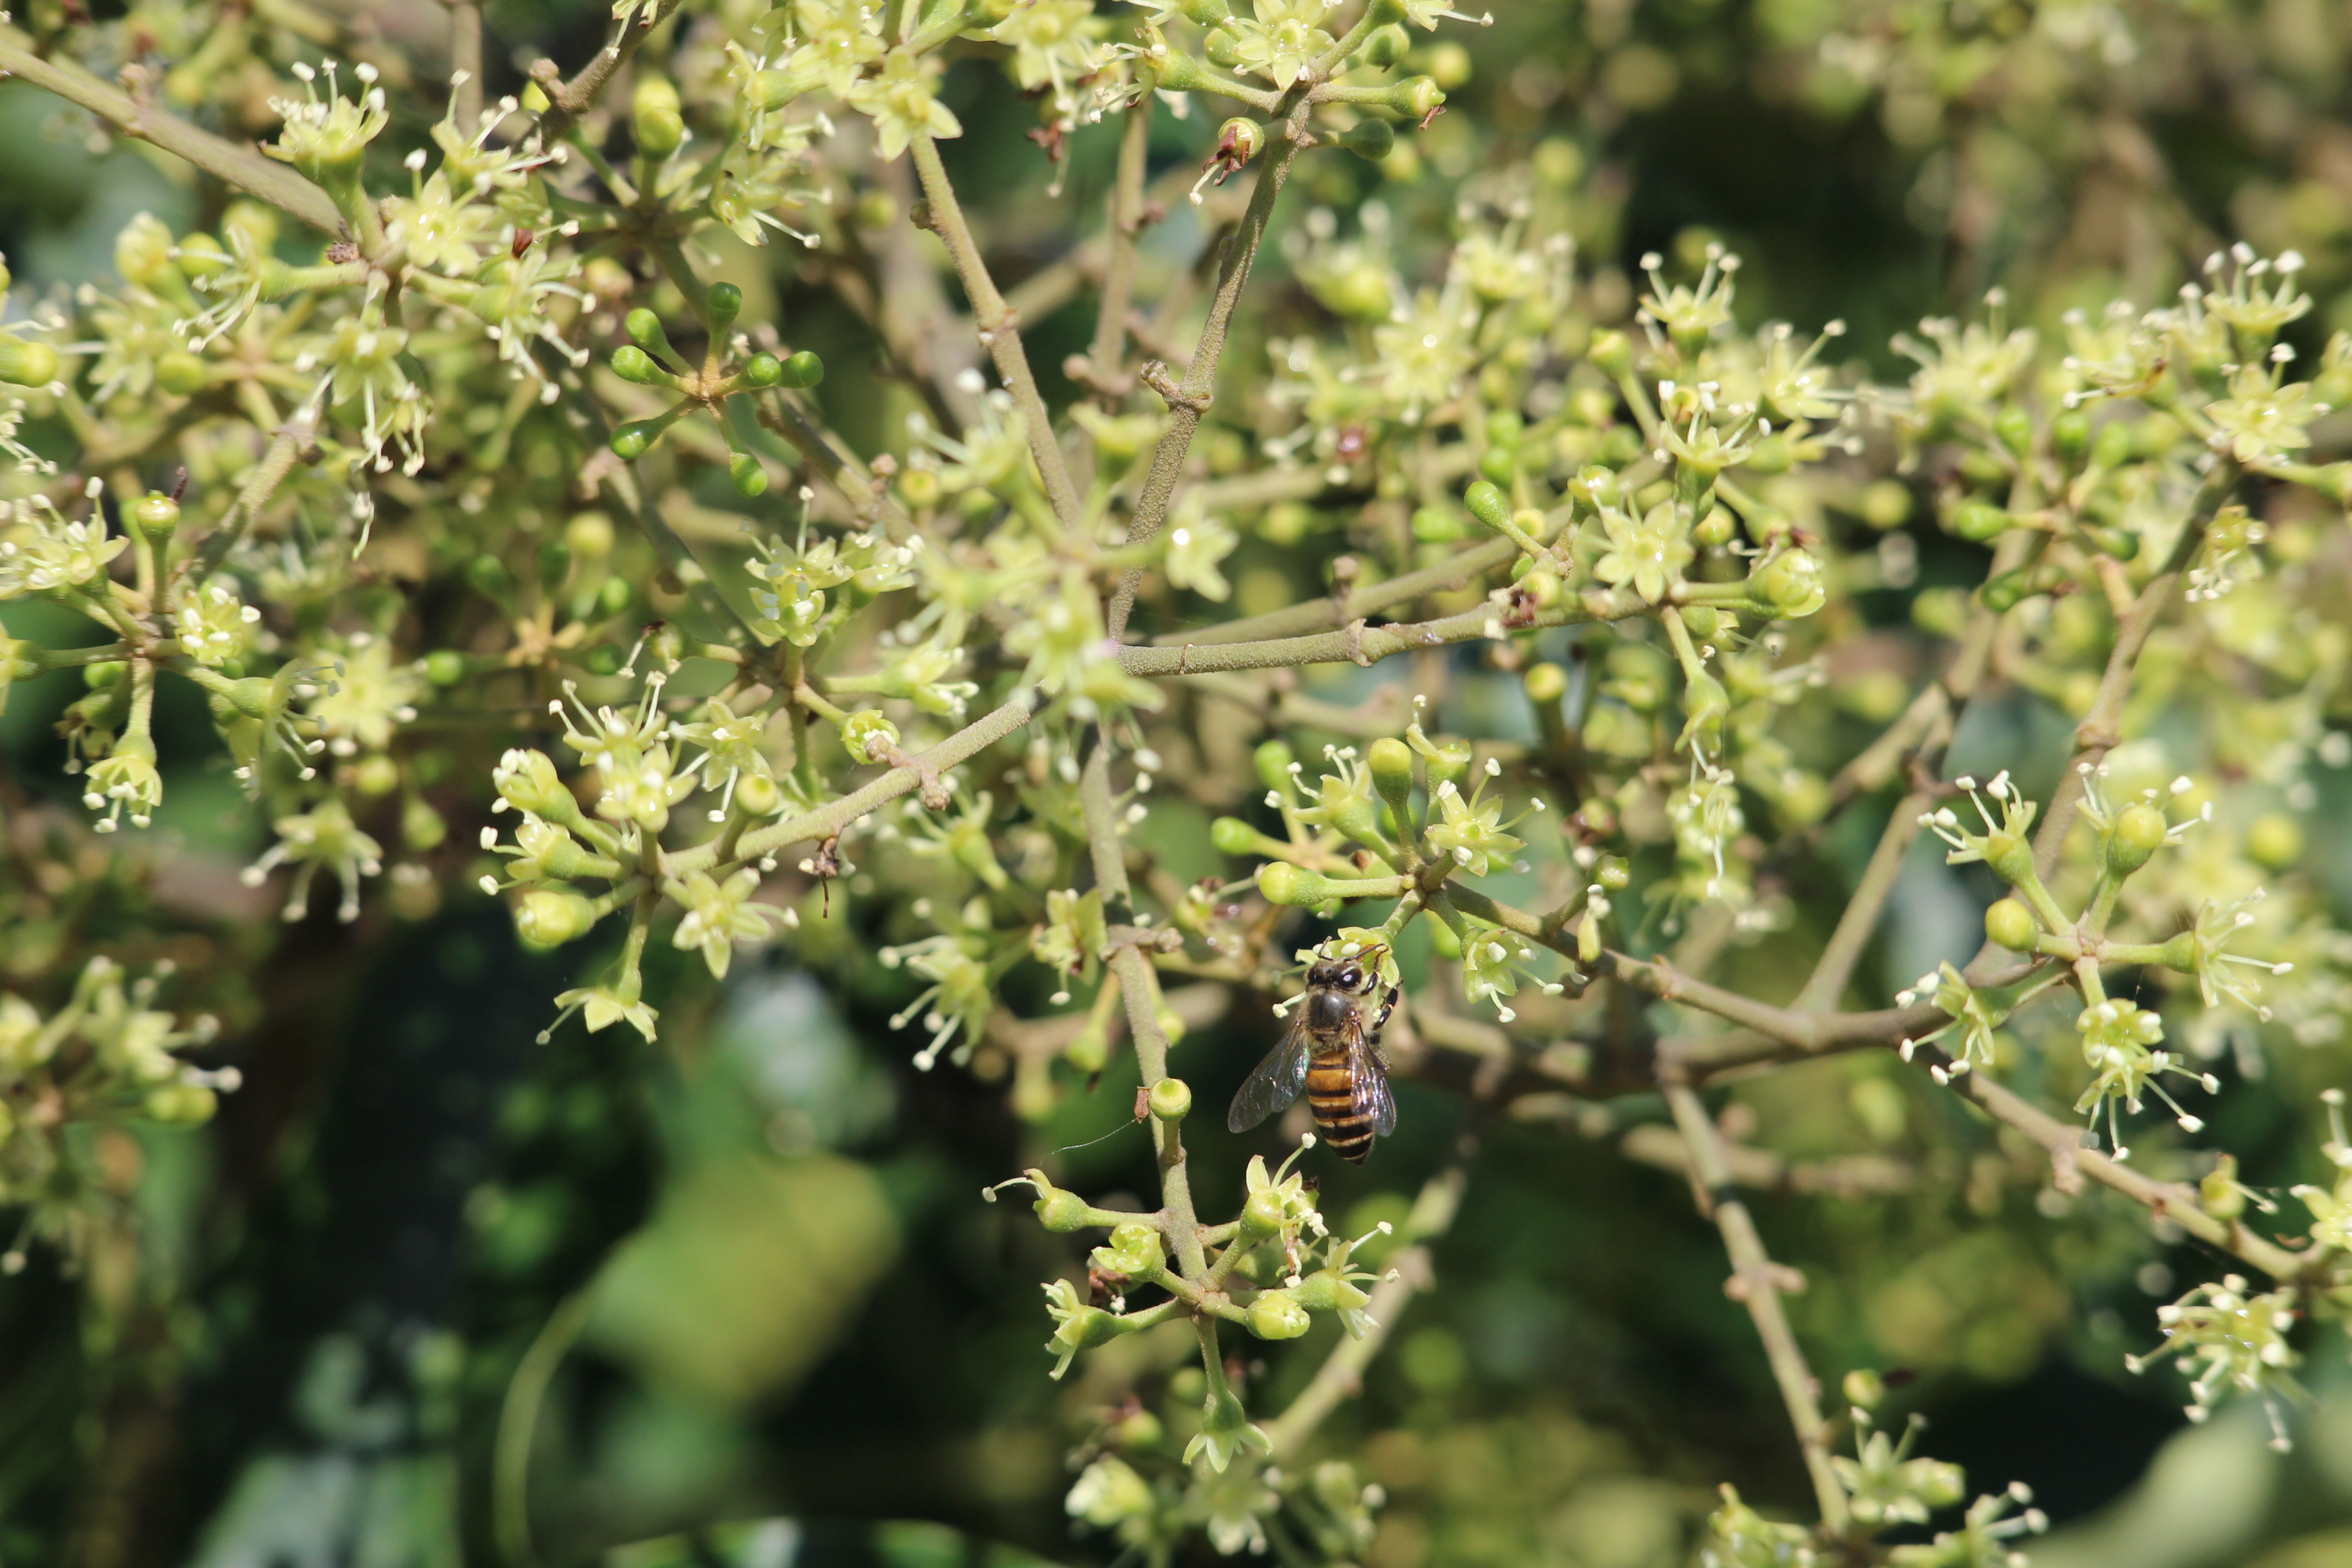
x=1358 y=974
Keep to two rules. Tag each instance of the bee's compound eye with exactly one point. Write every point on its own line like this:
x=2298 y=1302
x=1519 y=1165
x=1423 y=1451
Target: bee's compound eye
x=1350 y=977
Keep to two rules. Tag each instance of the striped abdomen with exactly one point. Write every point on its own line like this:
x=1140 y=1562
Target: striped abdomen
x=1345 y=1128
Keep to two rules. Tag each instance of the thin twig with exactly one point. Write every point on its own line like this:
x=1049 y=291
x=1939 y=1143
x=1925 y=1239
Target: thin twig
x=568 y=100
x=1189 y=401
x=247 y=170
x=1758 y=1285
x=999 y=333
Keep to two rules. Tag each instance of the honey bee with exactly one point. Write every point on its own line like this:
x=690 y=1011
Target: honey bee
x=1333 y=1051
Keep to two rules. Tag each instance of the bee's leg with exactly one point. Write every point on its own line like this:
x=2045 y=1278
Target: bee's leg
x=1388 y=1005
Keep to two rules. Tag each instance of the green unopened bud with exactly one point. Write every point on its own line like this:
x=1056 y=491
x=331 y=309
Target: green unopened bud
x=1232 y=835
x=2009 y=590
x=181 y=1104
x=2014 y=427
x=1277 y=1315
x=1610 y=354
x=2070 y=434
x=757 y=794
x=1416 y=97
x=2120 y=543
x=2274 y=841
x=181 y=373
x=1499 y=465
x=1865 y=1389
x=865 y=734
x=2112 y=448
x=1294 y=886
x=656 y=117
x=1980 y=522
x=551 y=916
x=1437 y=525
x=1273 y=762
x=487 y=575
x=631 y=363
x=762 y=370
x=1373 y=140
x=2010 y=857
x=1391 y=761
x=24 y=364
x=1171 y=1099
x=1387 y=45
x=723 y=303
x=156 y=516
x=636 y=438
x=1716 y=529
x=2012 y=925
x=615 y=594
x=1545 y=683
x=750 y=479
x=1221 y=49
x=802 y=371
x=2138 y=834
x=555 y=563
x=445 y=666
x=1058 y=1210
x=1488 y=504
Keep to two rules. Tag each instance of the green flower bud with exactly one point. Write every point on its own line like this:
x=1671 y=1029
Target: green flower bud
x=656 y=117
x=1390 y=761
x=2009 y=590
x=2014 y=427
x=636 y=438
x=555 y=563
x=1371 y=139
x=2112 y=448
x=631 y=363
x=551 y=917
x=762 y=370
x=2274 y=841
x=724 y=301
x=445 y=666
x=24 y=364
x=1437 y=525
x=1545 y=683
x=1133 y=1251
x=1610 y=354
x=1058 y=1210
x=1864 y=1388
x=1716 y=529
x=1980 y=522
x=2070 y=436
x=749 y=478
x=534 y=98
x=182 y=1104
x=1273 y=762
x=2120 y=543
x=803 y=370
x=2138 y=834
x=156 y=515
x=1613 y=872
x=644 y=330
x=1499 y=465
x=181 y=373
x=1416 y=97
x=1232 y=835
x=861 y=733
x=489 y=576
x=2012 y=925
x=1277 y=1315
x=613 y=596
x=1487 y=503
x=1171 y=1099
x=1280 y=882
x=1387 y=45
x=1221 y=49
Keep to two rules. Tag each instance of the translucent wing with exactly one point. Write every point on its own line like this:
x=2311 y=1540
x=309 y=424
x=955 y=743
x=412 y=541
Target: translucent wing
x=1274 y=1084
x=1370 y=1074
